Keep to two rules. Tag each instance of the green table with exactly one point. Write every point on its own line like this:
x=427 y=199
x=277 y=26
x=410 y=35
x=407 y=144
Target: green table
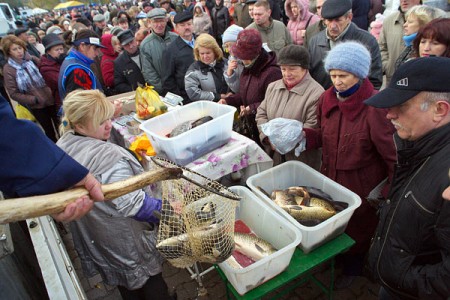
x=301 y=265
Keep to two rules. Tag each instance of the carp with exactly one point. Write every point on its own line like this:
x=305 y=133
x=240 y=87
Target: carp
x=252 y=246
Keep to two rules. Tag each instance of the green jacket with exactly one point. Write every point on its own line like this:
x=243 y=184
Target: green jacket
x=276 y=35
x=152 y=48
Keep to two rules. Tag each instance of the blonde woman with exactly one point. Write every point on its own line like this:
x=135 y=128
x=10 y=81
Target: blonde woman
x=116 y=238
x=416 y=17
x=204 y=78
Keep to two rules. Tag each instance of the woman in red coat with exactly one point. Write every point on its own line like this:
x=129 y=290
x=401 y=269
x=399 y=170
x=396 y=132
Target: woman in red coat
x=107 y=64
x=51 y=64
x=358 y=149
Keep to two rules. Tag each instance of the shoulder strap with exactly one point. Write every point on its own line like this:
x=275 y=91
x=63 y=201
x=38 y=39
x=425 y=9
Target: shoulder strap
x=309 y=20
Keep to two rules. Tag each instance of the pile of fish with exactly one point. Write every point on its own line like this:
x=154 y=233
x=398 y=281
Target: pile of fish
x=206 y=240
x=188 y=125
x=308 y=205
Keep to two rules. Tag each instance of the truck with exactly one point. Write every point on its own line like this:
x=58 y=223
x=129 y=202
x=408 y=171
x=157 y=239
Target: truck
x=7 y=19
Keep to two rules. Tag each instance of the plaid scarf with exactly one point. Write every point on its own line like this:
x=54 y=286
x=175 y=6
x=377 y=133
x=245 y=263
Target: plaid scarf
x=27 y=75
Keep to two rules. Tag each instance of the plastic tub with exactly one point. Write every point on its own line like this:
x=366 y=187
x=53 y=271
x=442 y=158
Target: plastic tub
x=295 y=173
x=266 y=224
x=190 y=145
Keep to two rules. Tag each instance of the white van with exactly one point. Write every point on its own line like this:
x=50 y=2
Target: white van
x=7 y=19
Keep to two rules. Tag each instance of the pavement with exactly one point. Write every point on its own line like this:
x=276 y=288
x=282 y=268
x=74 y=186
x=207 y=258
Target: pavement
x=187 y=288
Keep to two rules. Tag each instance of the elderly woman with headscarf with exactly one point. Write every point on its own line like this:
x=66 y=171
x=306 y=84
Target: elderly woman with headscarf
x=260 y=69
x=293 y=97
x=358 y=149
x=25 y=84
x=299 y=19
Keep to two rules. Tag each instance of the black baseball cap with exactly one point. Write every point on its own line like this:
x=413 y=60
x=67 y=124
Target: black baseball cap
x=425 y=74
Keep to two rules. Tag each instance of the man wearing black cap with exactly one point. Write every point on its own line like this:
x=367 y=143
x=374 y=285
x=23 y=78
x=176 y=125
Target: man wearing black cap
x=410 y=252
x=153 y=46
x=99 y=24
x=128 y=66
x=179 y=56
x=338 y=19
x=21 y=33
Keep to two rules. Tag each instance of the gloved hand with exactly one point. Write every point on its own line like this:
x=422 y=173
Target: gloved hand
x=145 y=214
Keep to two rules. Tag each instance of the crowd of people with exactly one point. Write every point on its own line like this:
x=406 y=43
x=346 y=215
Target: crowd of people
x=375 y=112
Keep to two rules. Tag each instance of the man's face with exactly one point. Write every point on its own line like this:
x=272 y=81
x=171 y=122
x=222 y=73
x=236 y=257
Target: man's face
x=158 y=25
x=407 y=4
x=319 y=4
x=185 y=29
x=147 y=9
x=250 y=10
x=131 y=47
x=124 y=26
x=23 y=36
x=101 y=24
x=336 y=26
x=261 y=15
x=412 y=119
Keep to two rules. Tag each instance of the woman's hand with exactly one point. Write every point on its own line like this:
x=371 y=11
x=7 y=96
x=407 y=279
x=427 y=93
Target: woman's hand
x=232 y=65
x=245 y=111
x=117 y=108
x=222 y=101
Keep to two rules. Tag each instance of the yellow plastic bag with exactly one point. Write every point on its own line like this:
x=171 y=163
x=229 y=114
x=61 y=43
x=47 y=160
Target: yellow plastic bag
x=23 y=113
x=148 y=103
x=142 y=143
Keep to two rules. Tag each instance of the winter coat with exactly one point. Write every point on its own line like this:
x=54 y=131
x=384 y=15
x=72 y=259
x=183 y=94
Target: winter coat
x=32 y=164
x=409 y=254
x=276 y=35
x=107 y=64
x=27 y=99
x=233 y=81
x=241 y=16
x=301 y=22
x=358 y=152
x=299 y=103
x=49 y=69
x=152 y=49
x=253 y=85
x=311 y=31
x=76 y=73
x=407 y=54
x=391 y=43
x=220 y=21
x=127 y=74
x=108 y=240
x=203 y=82
x=202 y=23
x=376 y=7
x=319 y=47
x=360 y=10
x=176 y=60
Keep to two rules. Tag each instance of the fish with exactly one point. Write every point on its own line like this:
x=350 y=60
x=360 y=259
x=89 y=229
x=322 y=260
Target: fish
x=201 y=121
x=263 y=191
x=188 y=125
x=281 y=198
x=304 y=213
x=252 y=246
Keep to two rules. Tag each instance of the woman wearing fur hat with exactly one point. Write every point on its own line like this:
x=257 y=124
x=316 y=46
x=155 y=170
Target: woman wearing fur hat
x=293 y=97
x=299 y=19
x=202 y=21
x=358 y=150
x=260 y=69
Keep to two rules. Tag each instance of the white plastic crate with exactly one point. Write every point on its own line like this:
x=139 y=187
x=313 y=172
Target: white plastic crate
x=190 y=145
x=295 y=173
x=270 y=226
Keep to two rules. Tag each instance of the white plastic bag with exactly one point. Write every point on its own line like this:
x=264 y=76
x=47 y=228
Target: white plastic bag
x=285 y=134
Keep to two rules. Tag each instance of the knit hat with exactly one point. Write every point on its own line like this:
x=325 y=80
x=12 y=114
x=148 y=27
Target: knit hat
x=230 y=35
x=248 y=44
x=294 y=55
x=51 y=40
x=351 y=57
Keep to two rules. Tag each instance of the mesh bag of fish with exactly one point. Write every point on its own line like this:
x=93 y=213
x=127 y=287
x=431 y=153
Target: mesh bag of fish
x=197 y=219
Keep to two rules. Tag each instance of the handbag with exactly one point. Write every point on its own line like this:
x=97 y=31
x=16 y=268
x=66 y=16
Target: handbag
x=23 y=113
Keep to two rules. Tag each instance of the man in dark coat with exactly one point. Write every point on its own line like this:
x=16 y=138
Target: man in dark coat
x=128 y=66
x=179 y=56
x=21 y=33
x=338 y=19
x=410 y=252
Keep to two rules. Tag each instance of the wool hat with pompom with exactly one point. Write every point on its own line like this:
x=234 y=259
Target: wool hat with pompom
x=351 y=57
